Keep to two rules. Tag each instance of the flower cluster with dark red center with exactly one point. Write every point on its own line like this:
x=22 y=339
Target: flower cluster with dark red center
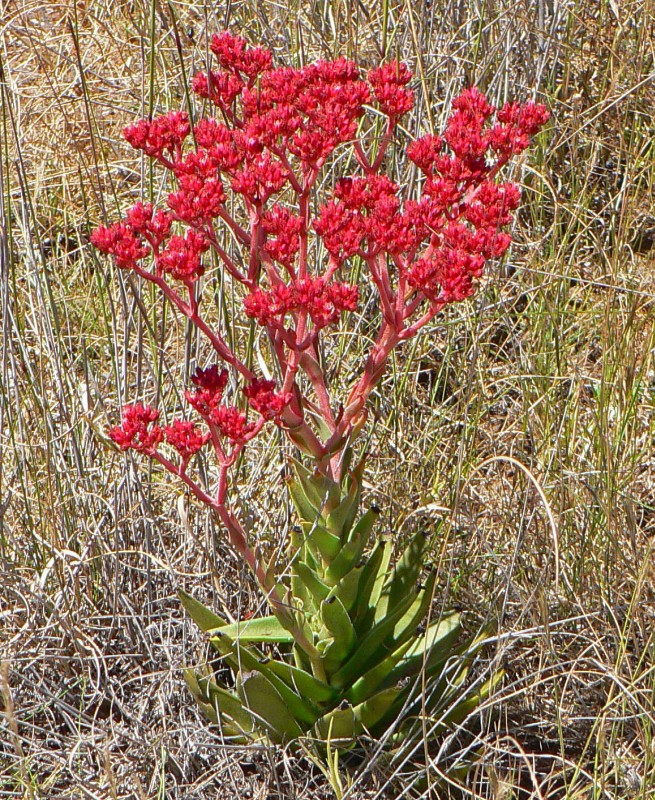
x=252 y=173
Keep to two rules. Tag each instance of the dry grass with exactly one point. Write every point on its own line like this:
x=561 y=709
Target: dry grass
x=528 y=414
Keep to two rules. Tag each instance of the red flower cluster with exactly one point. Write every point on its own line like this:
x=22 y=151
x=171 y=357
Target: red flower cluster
x=364 y=214
x=323 y=301
x=122 y=242
x=286 y=227
x=185 y=437
x=232 y=424
x=207 y=400
x=277 y=129
x=181 y=258
x=517 y=124
x=137 y=431
x=233 y=54
x=263 y=398
x=161 y=138
x=389 y=84
x=210 y=385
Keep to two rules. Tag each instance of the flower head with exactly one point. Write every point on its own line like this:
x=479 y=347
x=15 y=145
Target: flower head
x=186 y=438
x=262 y=397
x=389 y=84
x=210 y=384
x=137 y=430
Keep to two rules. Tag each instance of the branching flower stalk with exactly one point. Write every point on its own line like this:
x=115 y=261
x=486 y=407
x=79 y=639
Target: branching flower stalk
x=276 y=133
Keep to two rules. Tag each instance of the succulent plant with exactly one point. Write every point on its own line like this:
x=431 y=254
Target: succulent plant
x=350 y=656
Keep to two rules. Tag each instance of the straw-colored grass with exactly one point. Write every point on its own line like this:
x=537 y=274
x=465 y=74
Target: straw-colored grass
x=519 y=428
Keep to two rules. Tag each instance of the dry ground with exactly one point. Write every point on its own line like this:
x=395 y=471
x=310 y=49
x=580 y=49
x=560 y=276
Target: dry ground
x=520 y=428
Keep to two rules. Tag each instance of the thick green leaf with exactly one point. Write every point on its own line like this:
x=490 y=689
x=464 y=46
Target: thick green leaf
x=344 y=561
x=407 y=625
x=373 y=577
x=336 y=620
x=429 y=653
x=377 y=708
x=323 y=544
x=228 y=705
x=405 y=575
x=370 y=648
x=339 y=724
x=305 y=508
x=304 y=683
x=260 y=629
x=375 y=677
x=308 y=577
x=341 y=519
x=348 y=587
x=244 y=659
x=204 y=618
x=266 y=705
x=322 y=492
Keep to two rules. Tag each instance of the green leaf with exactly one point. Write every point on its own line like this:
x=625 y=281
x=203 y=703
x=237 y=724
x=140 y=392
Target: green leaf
x=260 y=629
x=242 y=658
x=348 y=587
x=204 y=618
x=431 y=650
x=340 y=520
x=339 y=725
x=344 y=561
x=377 y=676
x=336 y=620
x=323 y=493
x=268 y=708
x=227 y=704
x=310 y=580
x=304 y=683
x=405 y=575
x=407 y=625
x=370 y=648
x=373 y=577
x=321 y=542
x=377 y=708
x=304 y=507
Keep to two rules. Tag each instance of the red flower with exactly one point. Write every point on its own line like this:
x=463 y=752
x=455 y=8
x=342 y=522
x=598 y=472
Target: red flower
x=233 y=53
x=424 y=151
x=323 y=302
x=259 y=179
x=181 y=258
x=160 y=136
x=221 y=88
x=153 y=226
x=263 y=398
x=185 y=437
x=210 y=385
x=232 y=424
x=286 y=228
x=120 y=241
x=389 y=87
x=135 y=431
